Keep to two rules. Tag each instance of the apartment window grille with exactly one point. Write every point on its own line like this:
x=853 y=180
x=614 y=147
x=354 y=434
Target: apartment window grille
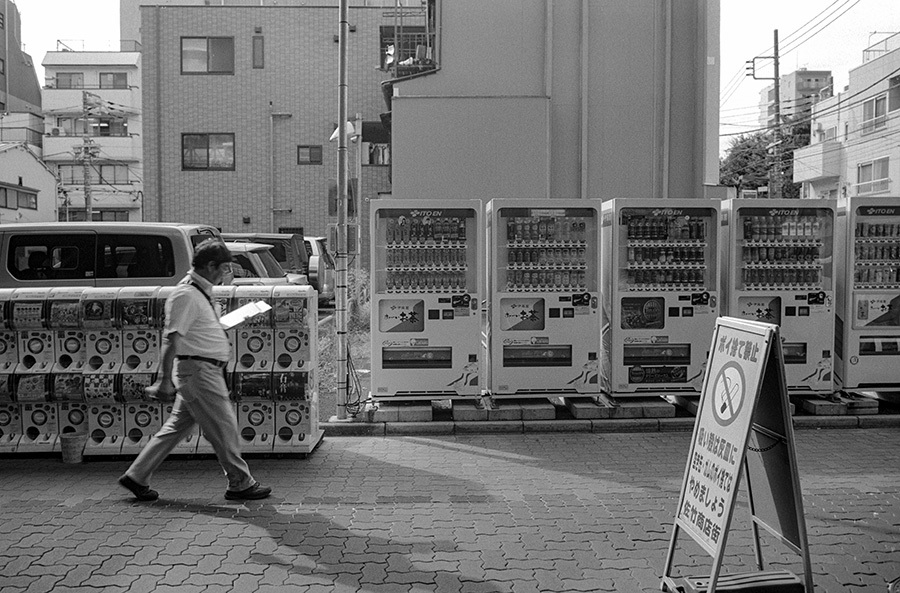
x=874 y=114
x=113 y=80
x=207 y=152
x=207 y=55
x=259 y=54
x=70 y=80
x=872 y=176
x=309 y=154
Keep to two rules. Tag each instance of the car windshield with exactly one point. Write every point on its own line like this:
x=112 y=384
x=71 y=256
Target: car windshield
x=273 y=268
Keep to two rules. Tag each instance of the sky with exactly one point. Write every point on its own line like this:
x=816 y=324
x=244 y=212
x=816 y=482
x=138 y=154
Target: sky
x=815 y=34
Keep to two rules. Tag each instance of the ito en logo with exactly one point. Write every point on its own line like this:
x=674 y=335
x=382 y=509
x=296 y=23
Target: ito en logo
x=728 y=393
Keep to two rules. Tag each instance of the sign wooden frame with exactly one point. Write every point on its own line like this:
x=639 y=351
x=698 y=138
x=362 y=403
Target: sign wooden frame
x=743 y=428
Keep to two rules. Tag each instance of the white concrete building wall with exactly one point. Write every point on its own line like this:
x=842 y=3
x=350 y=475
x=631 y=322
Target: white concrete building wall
x=22 y=171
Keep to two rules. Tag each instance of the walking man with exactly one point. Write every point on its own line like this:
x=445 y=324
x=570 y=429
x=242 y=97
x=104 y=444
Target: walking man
x=197 y=348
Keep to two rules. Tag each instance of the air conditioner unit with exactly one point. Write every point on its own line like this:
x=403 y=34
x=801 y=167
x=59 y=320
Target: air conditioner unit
x=54 y=132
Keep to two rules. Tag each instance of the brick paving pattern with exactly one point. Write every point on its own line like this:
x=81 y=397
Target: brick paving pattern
x=481 y=513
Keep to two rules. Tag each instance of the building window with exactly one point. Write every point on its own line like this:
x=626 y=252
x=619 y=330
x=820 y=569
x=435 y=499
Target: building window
x=831 y=133
x=872 y=177
x=874 y=114
x=4 y=198
x=26 y=200
x=97 y=126
x=259 y=54
x=894 y=94
x=113 y=80
x=207 y=55
x=107 y=174
x=70 y=80
x=2 y=66
x=80 y=215
x=207 y=152
x=309 y=155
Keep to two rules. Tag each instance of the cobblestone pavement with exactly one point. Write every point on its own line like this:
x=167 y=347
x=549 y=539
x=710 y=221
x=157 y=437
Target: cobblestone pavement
x=482 y=513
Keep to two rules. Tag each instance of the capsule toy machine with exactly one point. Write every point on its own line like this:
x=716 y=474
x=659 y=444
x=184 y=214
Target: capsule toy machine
x=294 y=382
x=868 y=297
x=106 y=415
x=64 y=318
x=427 y=289
x=9 y=349
x=543 y=331
x=104 y=344
x=136 y=312
x=36 y=352
x=10 y=427
x=252 y=376
x=781 y=271
x=223 y=301
x=661 y=268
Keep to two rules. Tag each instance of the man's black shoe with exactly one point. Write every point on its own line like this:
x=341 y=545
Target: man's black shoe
x=254 y=492
x=142 y=493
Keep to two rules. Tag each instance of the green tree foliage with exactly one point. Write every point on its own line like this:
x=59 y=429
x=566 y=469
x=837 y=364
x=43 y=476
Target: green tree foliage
x=752 y=156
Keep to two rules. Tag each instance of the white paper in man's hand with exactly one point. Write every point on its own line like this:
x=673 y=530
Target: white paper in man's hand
x=242 y=314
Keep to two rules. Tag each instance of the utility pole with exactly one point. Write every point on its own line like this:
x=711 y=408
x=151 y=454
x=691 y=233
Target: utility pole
x=775 y=172
x=86 y=153
x=340 y=296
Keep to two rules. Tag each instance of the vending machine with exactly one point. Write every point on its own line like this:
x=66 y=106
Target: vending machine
x=543 y=321
x=427 y=288
x=36 y=352
x=868 y=296
x=252 y=374
x=660 y=269
x=64 y=319
x=781 y=271
x=9 y=350
x=104 y=344
x=294 y=382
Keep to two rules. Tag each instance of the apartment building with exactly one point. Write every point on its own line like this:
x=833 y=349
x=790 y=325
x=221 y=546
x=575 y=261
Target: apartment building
x=799 y=91
x=20 y=93
x=240 y=103
x=853 y=150
x=93 y=133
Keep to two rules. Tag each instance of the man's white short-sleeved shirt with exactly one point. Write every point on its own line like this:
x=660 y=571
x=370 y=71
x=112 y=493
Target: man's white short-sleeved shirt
x=190 y=315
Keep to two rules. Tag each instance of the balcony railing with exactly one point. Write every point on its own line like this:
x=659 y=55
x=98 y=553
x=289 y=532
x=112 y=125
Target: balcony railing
x=870 y=125
x=871 y=187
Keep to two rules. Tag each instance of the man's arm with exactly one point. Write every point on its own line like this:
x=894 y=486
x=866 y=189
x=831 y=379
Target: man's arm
x=164 y=388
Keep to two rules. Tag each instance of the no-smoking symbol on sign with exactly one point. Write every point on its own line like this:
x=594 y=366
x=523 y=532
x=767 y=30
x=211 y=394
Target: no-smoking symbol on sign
x=728 y=394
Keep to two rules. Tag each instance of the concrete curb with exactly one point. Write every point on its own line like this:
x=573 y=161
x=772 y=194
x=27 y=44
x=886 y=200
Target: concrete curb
x=574 y=425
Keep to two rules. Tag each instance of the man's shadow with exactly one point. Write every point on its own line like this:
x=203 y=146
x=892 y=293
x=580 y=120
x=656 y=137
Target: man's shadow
x=326 y=552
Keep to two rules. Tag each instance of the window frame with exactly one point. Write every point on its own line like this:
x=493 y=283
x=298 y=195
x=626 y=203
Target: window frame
x=311 y=149
x=207 y=136
x=30 y=200
x=114 y=76
x=258 y=52
x=873 y=185
x=69 y=84
x=876 y=121
x=209 y=53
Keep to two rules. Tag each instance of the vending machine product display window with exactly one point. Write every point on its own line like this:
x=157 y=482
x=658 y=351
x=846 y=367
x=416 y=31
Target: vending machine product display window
x=543 y=324
x=660 y=269
x=427 y=292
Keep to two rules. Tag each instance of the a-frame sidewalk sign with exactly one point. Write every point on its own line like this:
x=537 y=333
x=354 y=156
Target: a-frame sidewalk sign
x=743 y=428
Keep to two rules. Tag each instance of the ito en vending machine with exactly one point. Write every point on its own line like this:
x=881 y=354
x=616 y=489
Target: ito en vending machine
x=426 y=299
x=781 y=271
x=660 y=270
x=543 y=323
x=868 y=296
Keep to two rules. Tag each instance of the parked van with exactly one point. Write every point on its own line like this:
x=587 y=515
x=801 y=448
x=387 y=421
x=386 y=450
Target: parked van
x=98 y=253
x=288 y=248
x=254 y=264
x=321 y=268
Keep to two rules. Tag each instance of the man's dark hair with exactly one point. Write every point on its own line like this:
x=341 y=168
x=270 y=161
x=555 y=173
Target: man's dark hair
x=211 y=250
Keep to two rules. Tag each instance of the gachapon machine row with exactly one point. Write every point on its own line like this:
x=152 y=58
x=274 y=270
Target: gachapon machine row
x=427 y=288
x=781 y=270
x=660 y=269
x=543 y=322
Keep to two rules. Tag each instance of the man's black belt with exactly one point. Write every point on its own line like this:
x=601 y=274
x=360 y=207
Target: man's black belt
x=219 y=363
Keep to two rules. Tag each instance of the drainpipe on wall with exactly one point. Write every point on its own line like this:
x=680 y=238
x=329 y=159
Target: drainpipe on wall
x=667 y=101
x=272 y=174
x=585 y=75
